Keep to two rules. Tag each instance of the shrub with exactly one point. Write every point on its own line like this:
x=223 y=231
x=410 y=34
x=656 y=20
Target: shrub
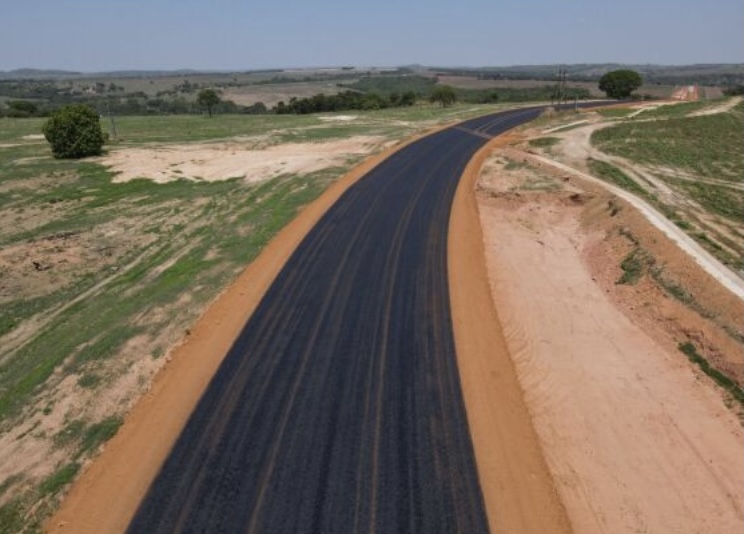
x=74 y=131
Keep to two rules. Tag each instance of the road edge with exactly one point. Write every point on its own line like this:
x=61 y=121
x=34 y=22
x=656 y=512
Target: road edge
x=105 y=497
x=518 y=488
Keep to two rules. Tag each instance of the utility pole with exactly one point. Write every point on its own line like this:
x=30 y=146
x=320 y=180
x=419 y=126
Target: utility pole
x=111 y=119
x=559 y=93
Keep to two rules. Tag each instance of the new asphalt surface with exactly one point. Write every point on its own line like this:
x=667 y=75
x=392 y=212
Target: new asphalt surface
x=339 y=409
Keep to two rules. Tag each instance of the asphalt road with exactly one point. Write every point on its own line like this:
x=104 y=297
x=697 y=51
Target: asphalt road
x=339 y=409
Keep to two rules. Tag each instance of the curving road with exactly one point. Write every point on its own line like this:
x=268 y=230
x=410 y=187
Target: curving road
x=338 y=409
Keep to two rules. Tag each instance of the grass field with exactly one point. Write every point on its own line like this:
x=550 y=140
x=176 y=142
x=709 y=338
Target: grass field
x=699 y=158
x=99 y=279
x=709 y=146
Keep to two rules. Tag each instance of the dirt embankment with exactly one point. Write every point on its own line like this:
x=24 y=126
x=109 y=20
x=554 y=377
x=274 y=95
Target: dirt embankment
x=636 y=437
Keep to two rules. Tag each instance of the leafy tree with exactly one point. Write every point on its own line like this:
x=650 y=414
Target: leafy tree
x=74 y=131
x=734 y=90
x=408 y=98
x=443 y=94
x=208 y=98
x=620 y=83
x=258 y=108
x=22 y=108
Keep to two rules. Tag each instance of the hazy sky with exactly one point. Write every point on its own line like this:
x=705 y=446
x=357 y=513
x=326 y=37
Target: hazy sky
x=95 y=35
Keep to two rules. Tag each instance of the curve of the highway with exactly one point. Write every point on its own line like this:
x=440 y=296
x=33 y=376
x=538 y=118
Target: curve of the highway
x=339 y=409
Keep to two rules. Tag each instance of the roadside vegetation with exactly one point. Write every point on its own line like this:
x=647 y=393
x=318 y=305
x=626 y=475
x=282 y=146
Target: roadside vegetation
x=706 y=145
x=617 y=177
x=698 y=158
x=736 y=393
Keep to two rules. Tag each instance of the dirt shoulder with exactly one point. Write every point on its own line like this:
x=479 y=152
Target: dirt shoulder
x=636 y=438
x=518 y=488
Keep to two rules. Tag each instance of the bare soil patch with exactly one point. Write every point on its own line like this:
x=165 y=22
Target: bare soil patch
x=636 y=437
x=247 y=159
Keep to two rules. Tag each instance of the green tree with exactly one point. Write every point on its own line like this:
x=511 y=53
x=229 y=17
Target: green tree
x=620 y=83
x=443 y=94
x=208 y=99
x=408 y=98
x=74 y=131
x=20 y=109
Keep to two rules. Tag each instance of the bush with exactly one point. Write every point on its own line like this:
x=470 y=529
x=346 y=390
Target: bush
x=74 y=131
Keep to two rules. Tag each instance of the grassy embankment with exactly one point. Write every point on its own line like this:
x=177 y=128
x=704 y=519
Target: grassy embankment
x=699 y=158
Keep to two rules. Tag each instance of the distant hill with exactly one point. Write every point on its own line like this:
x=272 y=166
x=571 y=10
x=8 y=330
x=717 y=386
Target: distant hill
x=36 y=74
x=708 y=74
x=51 y=74
x=711 y=74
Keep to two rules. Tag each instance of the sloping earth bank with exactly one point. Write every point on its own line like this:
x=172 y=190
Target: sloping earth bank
x=636 y=437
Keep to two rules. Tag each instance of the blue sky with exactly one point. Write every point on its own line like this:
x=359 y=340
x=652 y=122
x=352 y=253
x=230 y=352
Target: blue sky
x=90 y=35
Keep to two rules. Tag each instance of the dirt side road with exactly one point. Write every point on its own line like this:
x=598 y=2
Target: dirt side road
x=636 y=438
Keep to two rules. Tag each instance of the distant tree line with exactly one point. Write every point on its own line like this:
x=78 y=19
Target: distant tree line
x=131 y=104
x=518 y=94
x=22 y=109
x=345 y=101
x=716 y=75
x=734 y=90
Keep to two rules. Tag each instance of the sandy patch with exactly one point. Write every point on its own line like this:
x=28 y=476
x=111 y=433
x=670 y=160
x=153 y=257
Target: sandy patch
x=636 y=439
x=338 y=118
x=221 y=161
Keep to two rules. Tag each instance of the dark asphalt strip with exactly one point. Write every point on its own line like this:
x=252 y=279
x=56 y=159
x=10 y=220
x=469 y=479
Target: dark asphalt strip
x=338 y=409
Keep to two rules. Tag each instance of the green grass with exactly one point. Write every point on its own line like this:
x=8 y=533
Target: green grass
x=709 y=146
x=633 y=266
x=13 y=130
x=12 y=517
x=84 y=438
x=721 y=200
x=615 y=176
x=544 y=142
x=102 y=323
x=514 y=165
x=674 y=110
x=718 y=377
x=59 y=479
